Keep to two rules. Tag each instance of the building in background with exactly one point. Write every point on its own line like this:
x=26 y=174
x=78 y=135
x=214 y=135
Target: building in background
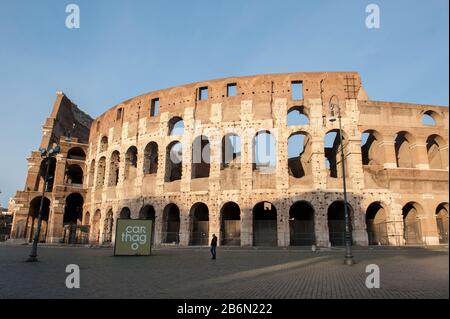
x=270 y=173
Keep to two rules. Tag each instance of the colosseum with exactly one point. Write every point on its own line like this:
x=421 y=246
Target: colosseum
x=254 y=160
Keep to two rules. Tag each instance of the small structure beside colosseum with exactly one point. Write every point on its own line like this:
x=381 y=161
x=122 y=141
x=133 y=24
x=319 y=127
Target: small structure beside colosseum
x=136 y=160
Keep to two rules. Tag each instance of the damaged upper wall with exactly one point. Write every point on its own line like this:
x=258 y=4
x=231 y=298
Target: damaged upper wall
x=260 y=89
x=66 y=120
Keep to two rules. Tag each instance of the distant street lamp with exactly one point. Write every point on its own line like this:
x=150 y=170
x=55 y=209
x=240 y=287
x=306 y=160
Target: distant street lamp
x=46 y=155
x=334 y=104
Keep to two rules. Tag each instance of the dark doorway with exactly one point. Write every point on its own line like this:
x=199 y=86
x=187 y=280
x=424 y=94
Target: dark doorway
x=148 y=212
x=171 y=224
x=376 y=225
x=442 y=223
x=301 y=224
x=336 y=223
x=73 y=215
x=230 y=226
x=200 y=224
x=32 y=219
x=412 y=231
x=265 y=225
x=125 y=213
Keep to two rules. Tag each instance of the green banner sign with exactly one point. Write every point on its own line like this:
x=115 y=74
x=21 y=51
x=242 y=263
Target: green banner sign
x=133 y=237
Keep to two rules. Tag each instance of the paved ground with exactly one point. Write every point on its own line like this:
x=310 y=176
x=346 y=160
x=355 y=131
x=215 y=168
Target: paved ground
x=237 y=273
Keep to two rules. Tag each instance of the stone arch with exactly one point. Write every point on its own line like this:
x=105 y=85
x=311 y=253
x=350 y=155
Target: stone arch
x=87 y=219
x=199 y=220
x=131 y=158
x=101 y=170
x=73 y=215
x=151 y=158
x=437 y=150
x=333 y=157
x=42 y=172
x=125 y=213
x=73 y=174
x=174 y=161
x=171 y=224
x=430 y=118
x=336 y=222
x=264 y=151
x=76 y=153
x=95 y=233
x=108 y=227
x=32 y=219
x=301 y=224
x=371 y=148
x=230 y=224
x=297 y=115
x=442 y=222
x=176 y=126
x=91 y=173
x=104 y=144
x=412 y=228
x=299 y=154
x=114 y=168
x=264 y=224
x=201 y=157
x=376 y=224
x=404 y=152
x=231 y=151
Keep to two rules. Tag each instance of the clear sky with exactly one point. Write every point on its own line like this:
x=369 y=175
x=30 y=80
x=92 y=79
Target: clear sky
x=126 y=48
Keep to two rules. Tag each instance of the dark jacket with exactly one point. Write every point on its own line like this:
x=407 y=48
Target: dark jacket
x=214 y=241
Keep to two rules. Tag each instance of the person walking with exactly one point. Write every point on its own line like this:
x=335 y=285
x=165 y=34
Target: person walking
x=213 y=246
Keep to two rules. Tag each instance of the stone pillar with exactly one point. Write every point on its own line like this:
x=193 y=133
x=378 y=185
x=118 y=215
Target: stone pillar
x=283 y=225
x=321 y=223
x=246 y=226
x=189 y=129
x=184 y=226
x=388 y=148
x=420 y=154
x=214 y=220
x=394 y=223
x=55 y=222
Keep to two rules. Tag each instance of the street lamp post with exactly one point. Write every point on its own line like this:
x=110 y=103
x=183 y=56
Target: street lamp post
x=348 y=260
x=47 y=155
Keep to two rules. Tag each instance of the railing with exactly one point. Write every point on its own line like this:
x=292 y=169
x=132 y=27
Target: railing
x=170 y=238
x=76 y=234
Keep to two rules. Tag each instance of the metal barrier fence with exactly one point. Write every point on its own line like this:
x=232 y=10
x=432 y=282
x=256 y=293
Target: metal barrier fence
x=171 y=238
x=76 y=234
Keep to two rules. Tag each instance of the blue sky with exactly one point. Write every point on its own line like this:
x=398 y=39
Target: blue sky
x=126 y=48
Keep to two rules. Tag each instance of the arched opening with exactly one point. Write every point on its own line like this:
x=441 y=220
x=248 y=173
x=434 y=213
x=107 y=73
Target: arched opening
x=73 y=214
x=171 y=224
x=200 y=157
x=437 y=157
x=199 y=224
x=412 y=230
x=76 y=153
x=403 y=152
x=376 y=224
x=101 y=169
x=42 y=171
x=74 y=174
x=442 y=222
x=265 y=225
x=371 y=151
x=297 y=116
x=301 y=224
x=231 y=151
x=91 y=173
x=104 y=144
x=333 y=153
x=151 y=158
x=429 y=118
x=230 y=224
x=32 y=219
x=148 y=212
x=114 y=169
x=336 y=222
x=87 y=219
x=125 y=213
x=264 y=152
x=108 y=227
x=176 y=126
x=299 y=154
x=95 y=234
x=174 y=163
x=131 y=157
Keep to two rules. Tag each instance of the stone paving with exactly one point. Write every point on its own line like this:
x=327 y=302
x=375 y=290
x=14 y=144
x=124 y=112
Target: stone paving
x=237 y=273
